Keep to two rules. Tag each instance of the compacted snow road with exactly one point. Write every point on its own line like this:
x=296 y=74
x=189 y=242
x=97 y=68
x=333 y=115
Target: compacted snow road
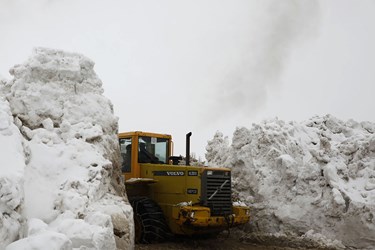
x=236 y=240
x=209 y=244
x=213 y=244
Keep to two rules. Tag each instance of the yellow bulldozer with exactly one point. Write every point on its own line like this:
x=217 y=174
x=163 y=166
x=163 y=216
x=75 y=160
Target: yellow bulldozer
x=169 y=198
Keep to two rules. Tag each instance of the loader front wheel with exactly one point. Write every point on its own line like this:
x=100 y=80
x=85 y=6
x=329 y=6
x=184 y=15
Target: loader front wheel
x=149 y=221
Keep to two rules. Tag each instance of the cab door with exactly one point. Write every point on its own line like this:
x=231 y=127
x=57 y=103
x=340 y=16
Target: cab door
x=129 y=157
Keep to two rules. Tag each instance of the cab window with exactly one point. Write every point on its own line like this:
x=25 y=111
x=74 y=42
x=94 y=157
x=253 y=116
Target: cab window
x=153 y=150
x=126 y=156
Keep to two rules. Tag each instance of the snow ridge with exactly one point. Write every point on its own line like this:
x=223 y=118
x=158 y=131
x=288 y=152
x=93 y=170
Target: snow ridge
x=11 y=177
x=315 y=176
x=69 y=154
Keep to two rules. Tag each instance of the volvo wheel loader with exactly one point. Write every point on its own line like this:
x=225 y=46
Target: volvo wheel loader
x=169 y=198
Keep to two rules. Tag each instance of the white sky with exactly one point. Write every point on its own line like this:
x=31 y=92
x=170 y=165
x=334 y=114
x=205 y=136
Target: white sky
x=202 y=66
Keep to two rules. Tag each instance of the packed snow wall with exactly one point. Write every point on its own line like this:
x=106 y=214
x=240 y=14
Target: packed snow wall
x=63 y=182
x=310 y=179
x=11 y=177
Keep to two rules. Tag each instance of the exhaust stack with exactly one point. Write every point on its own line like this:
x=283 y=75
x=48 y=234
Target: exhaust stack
x=188 y=148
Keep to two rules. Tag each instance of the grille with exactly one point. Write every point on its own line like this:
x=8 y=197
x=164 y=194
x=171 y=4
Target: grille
x=216 y=192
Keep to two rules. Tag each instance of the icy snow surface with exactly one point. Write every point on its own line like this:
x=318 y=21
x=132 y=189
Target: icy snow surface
x=315 y=178
x=59 y=152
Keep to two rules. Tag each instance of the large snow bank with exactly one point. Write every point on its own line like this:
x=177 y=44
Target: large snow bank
x=11 y=177
x=63 y=172
x=313 y=178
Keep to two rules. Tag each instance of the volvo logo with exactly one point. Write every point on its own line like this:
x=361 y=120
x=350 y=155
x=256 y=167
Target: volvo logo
x=169 y=173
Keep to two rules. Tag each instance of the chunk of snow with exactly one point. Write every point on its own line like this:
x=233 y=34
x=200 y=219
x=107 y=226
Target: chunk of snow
x=46 y=240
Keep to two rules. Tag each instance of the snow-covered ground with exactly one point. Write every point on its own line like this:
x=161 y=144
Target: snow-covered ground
x=60 y=185
x=314 y=179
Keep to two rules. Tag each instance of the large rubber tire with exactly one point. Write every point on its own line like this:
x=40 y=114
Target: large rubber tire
x=149 y=221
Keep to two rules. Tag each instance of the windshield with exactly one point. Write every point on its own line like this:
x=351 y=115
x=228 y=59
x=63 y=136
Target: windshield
x=153 y=150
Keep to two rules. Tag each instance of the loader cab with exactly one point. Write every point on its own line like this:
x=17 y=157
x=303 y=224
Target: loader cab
x=142 y=147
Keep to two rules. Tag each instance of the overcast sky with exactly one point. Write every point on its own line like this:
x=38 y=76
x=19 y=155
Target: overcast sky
x=202 y=66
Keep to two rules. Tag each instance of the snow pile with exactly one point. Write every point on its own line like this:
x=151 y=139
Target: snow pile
x=71 y=180
x=316 y=176
x=11 y=177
